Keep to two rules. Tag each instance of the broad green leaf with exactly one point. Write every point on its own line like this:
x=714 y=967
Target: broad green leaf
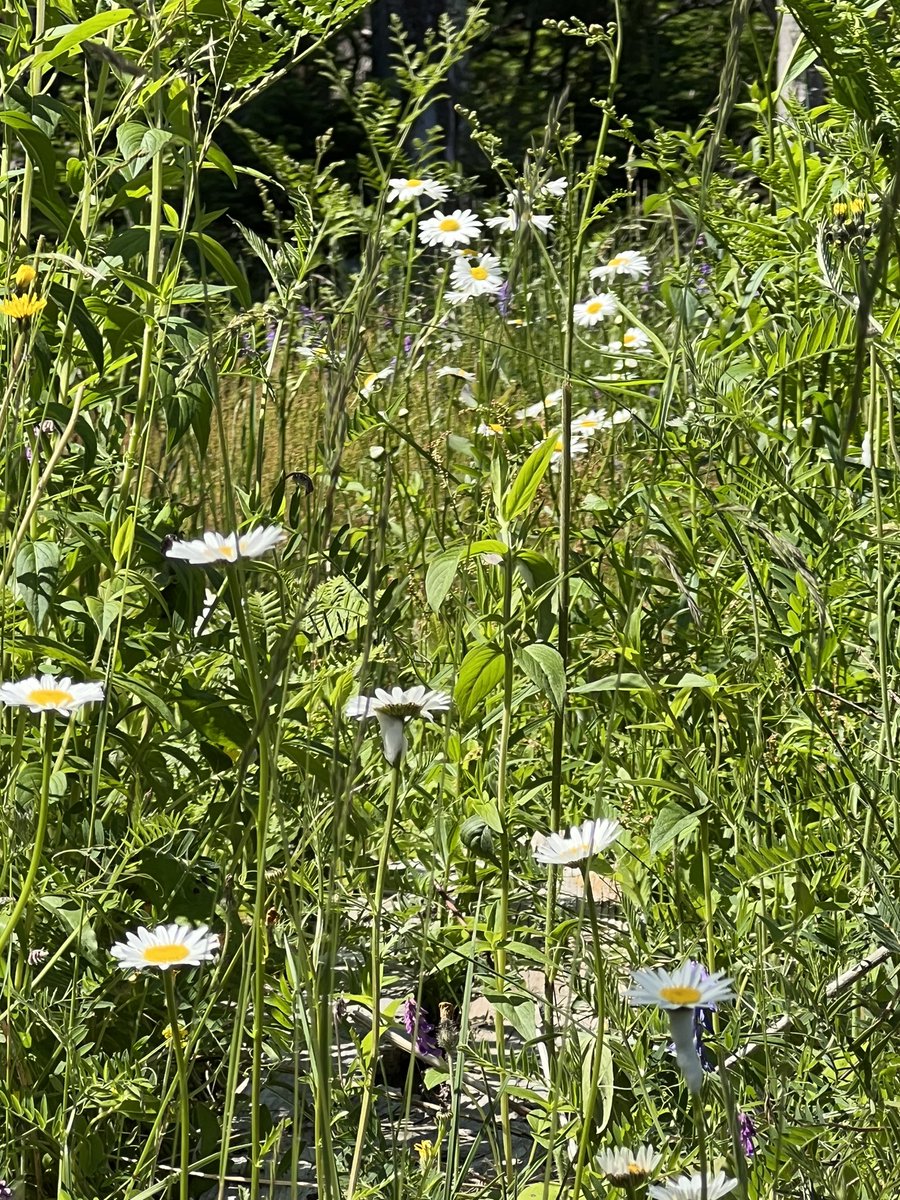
x=35 y=572
x=439 y=577
x=627 y=681
x=521 y=492
x=672 y=822
x=543 y=665
x=517 y=1011
x=480 y=672
x=68 y=36
x=37 y=145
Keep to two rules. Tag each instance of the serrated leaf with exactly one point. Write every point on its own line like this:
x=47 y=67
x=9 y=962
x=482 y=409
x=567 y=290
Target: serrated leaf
x=544 y=666
x=480 y=672
x=520 y=494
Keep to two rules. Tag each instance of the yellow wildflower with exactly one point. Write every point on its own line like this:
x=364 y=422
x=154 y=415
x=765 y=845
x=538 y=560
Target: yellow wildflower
x=22 y=308
x=25 y=277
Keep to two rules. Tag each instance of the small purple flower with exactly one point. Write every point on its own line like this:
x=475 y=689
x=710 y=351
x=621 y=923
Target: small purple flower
x=504 y=299
x=416 y=1023
x=646 y=285
x=705 y=269
x=700 y=242
x=6 y=1192
x=407 y=343
x=746 y=1134
x=271 y=332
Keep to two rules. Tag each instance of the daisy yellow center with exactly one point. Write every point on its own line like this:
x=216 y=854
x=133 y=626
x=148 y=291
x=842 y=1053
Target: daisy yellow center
x=172 y=953
x=619 y=260
x=449 y=225
x=684 y=997
x=50 y=697
x=227 y=551
x=595 y=306
x=635 y=1169
x=413 y=183
x=588 y=423
x=479 y=273
x=629 y=339
x=496 y=428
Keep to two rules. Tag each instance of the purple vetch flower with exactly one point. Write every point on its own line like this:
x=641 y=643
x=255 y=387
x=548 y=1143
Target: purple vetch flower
x=407 y=343
x=746 y=1134
x=416 y=1023
x=700 y=242
x=705 y=269
x=504 y=299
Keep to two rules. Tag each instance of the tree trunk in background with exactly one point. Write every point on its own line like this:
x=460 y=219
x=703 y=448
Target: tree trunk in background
x=808 y=87
x=417 y=18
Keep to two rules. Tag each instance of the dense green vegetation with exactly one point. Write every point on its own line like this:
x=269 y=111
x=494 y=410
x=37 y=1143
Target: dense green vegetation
x=584 y=441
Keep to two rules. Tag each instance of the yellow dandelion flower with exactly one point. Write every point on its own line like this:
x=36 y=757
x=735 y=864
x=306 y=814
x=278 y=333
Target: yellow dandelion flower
x=23 y=308
x=25 y=277
x=839 y=210
x=857 y=207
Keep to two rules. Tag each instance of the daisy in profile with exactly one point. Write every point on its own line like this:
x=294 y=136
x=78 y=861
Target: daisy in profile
x=623 y=1166
x=690 y=1187
x=555 y=188
x=577 y=447
x=539 y=409
x=630 y=263
x=410 y=189
x=476 y=275
x=166 y=946
x=450 y=229
x=633 y=340
x=393 y=709
x=581 y=842
x=490 y=430
x=49 y=694
x=227 y=547
x=23 y=308
x=680 y=993
x=510 y=221
x=596 y=308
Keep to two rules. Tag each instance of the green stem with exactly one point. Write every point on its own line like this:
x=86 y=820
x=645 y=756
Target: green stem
x=700 y=1129
x=184 y=1115
x=597 y=1060
x=375 y=966
x=40 y=834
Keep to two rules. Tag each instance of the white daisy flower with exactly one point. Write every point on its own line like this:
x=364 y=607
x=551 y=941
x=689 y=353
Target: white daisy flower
x=227 y=547
x=555 y=187
x=510 y=221
x=690 y=986
x=490 y=430
x=456 y=372
x=49 y=694
x=630 y=263
x=633 y=340
x=577 y=447
x=450 y=229
x=393 y=709
x=590 y=423
x=166 y=946
x=409 y=189
x=680 y=993
x=373 y=381
x=690 y=1187
x=538 y=410
x=586 y=841
x=596 y=308
x=476 y=275
x=623 y=1166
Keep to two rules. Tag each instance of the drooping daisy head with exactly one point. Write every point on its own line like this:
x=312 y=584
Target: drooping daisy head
x=400 y=703
x=581 y=842
x=409 y=189
x=690 y=986
x=630 y=263
x=23 y=308
x=227 y=547
x=393 y=709
x=690 y=1187
x=599 y=307
x=166 y=946
x=476 y=275
x=49 y=694
x=622 y=1166
x=450 y=229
